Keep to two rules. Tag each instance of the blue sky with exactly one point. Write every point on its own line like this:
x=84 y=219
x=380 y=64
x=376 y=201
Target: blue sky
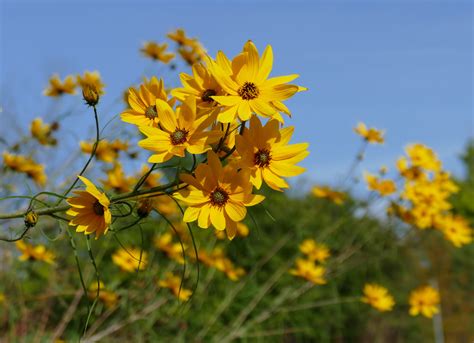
x=404 y=66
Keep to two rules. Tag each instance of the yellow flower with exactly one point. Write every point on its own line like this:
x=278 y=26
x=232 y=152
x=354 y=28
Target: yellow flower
x=57 y=88
x=106 y=151
x=117 y=180
x=153 y=179
x=142 y=102
x=378 y=297
x=455 y=229
x=242 y=231
x=36 y=253
x=315 y=251
x=173 y=283
x=90 y=210
x=179 y=36
x=423 y=157
x=424 y=300
x=91 y=80
x=192 y=55
x=109 y=298
x=217 y=259
x=383 y=187
x=249 y=89
x=308 y=270
x=328 y=193
x=129 y=260
x=371 y=135
x=266 y=154
x=201 y=85
x=181 y=131
x=26 y=165
x=157 y=52
x=42 y=132
x=172 y=249
x=217 y=195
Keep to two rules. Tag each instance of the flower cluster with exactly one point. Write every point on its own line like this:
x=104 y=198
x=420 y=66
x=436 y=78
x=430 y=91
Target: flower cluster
x=26 y=165
x=378 y=297
x=217 y=259
x=311 y=266
x=34 y=252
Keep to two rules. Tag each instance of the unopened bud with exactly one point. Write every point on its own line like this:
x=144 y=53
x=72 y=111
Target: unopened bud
x=144 y=207
x=90 y=95
x=31 y=218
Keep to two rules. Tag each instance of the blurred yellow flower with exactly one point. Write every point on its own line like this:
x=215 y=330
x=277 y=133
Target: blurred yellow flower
x=315 y=251
x=455 y=229
x=265 y=153
x=109 y=298
x=217 y=195
x=378 y=297
x=43 y=132
x=217 y=259
x=91 y=80
x=173 y=283
x=90 y=210
x=128 y=259
x=26 y=165
x=34 y=252
x=371 y=135
x=308 y=270
x=327 y=192
x=57 y=88
x=424 y=300
x=383 y=187
x=423 y=157
x=173 y=250
x=180 y=37
x=157 y=52
x=106 y=151
x=117 y=180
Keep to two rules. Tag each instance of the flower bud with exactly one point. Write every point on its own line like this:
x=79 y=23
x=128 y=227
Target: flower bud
x=31 y=218
x=90 y=95
x=144 y=207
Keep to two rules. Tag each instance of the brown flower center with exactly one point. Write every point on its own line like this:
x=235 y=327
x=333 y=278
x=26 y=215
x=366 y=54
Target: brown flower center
x=179 y=136
x=262 y=158
x=98 y=208
x=218 y=197
x=151 y=112
x=206 y=95
x=248 y=91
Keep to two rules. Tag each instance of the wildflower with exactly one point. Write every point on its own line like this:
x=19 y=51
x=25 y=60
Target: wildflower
x=383 y=187
x=26 y=165
x=90 y=95
x=130 y=259
x=181 y=131
x=424 y=300
x=157 y=52
x=43 y=132
x=265 y=152
x=455 y=229
x=378 y=297
x=371 y=135
x=31 y=219
x=249 y=89
x=423 y=157
x=217 y=195
x=315 y=251
x=91 y=80
x=173 y=283
x=179 y=36
x=109 y=298
x=191 y=55
x=34 y=253
x=308 y=270
x=57 y=88
x=242 y=231
x=201 y=85
x=326 y=192
x=106 y=151
x=173 y=250
x=217 y=259
x=142 y=102
x=117 y=180
x=90 y=210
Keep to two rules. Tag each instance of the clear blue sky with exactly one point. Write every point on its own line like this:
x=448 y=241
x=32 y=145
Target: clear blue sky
x=405 y=66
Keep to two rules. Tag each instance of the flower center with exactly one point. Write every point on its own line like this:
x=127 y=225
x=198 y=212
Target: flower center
x=206 y=95
x=262 y=158
x=98 y=208
x=248 y=91
x=219 y=197
x=179 y=136
x=151 y=113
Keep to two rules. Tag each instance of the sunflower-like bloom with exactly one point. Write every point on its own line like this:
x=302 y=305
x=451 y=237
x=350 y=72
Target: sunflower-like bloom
x=308 y=270
x=117 y=180
x=129 y=259
x=378 y=297
x=91 y=81
x=26 y=165
x=173 y=283
x=249 y=89
x=424 y=300
x=383 y=187
x=217 y=195
x=180 y=37
x=173 y=250
x=326 y=192
x=455 y=229
x=266 y=154
x=35 y=253
x=181 y=131
x=201 y=85
x=43 y=132
x=90 y=210
x=157 y=52
x=371 y=135
x=109 y=298
x=315 y=251
x=106 y=151
x=57 y=87
x=142 y=102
